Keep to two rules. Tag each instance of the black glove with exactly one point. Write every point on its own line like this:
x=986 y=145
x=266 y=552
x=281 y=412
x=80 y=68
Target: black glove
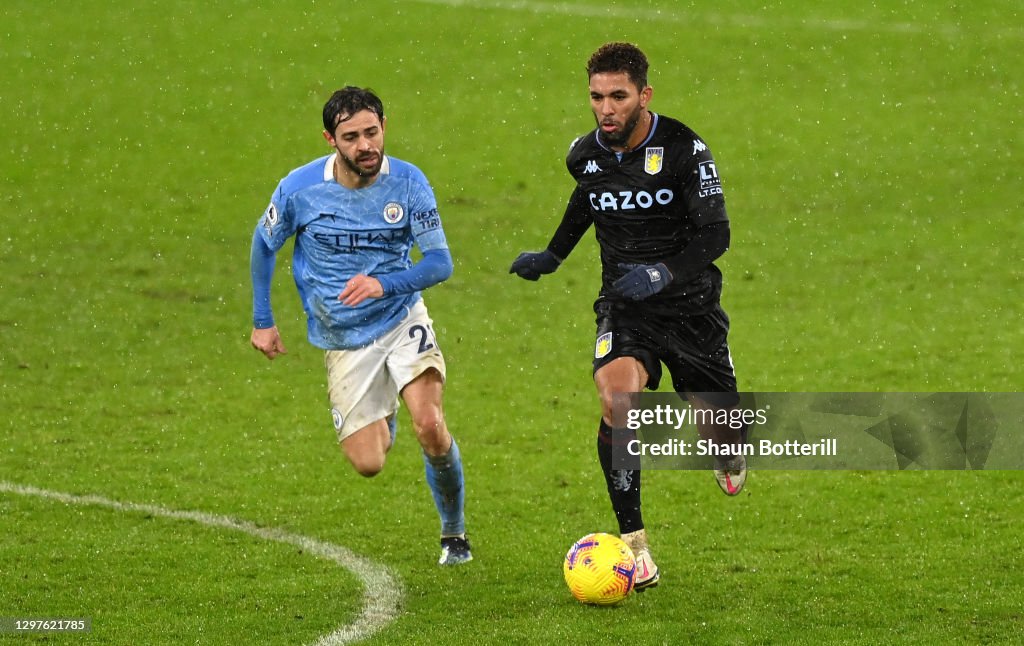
x=531 y=265
x=642 y=281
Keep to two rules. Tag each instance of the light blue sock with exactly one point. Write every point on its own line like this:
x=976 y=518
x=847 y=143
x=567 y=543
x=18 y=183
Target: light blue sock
x=393 y=427
x=444 y=475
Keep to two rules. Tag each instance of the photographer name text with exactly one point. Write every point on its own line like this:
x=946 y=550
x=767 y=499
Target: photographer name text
x=826 y=447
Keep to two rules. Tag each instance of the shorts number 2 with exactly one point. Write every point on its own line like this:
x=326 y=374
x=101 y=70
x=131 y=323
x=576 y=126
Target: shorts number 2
x=424 y=335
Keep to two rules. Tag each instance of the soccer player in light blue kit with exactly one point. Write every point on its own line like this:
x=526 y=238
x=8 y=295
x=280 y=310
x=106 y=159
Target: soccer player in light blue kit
x=355 y=215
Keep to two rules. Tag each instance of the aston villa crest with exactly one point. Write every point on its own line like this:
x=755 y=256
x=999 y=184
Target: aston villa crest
x=653 y=159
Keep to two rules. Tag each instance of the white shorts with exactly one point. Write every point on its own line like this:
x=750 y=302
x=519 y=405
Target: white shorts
x=363 y=384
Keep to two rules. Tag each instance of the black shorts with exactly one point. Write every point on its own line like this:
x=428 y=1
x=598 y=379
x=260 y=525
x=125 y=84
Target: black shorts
x=694 y=348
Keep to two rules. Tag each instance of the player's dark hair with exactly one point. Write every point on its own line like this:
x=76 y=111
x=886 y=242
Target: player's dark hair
x=620 y=57
x=347 y=101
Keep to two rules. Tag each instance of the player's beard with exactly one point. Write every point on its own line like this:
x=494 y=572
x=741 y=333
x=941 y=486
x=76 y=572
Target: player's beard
x=353 y=164
x=621 y=137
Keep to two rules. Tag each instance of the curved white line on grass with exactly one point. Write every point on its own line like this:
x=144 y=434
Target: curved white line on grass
x=383 y=590
x=706 y=19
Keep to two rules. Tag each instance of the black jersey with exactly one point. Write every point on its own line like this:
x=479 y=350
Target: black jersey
x=646 y=206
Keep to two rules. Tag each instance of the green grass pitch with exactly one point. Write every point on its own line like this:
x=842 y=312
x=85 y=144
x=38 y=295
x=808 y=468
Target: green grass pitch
x=871 y=158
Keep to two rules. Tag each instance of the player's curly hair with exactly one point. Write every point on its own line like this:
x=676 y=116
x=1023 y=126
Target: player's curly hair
x=347 y=101
x=620 y=57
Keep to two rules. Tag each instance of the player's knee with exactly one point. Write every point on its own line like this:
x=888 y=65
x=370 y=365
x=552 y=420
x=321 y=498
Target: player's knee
x=611 y=398
x=428 y=422
x=433 y=435
x=366 y=463
x=615 y=381
x=368 y=468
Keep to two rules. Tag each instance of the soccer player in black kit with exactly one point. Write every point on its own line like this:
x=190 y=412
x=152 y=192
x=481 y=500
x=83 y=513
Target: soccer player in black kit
x=650 y=187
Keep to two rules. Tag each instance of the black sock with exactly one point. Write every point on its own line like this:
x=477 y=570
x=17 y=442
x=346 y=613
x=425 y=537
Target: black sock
x=623 y=484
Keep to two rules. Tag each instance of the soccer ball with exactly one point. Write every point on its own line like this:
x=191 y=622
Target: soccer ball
x=599 y=569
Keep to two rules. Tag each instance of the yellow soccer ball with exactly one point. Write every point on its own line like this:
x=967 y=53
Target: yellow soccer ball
x=599 y=569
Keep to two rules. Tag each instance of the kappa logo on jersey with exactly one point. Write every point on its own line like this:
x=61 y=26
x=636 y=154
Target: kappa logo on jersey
x=653 y=159
x=270 y=218
x=393 y=212
x=603 y=345
x=591 y=168
x=710 y=184
x=699 y=146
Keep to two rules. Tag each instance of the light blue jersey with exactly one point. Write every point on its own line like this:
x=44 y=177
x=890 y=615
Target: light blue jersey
x=341 y=232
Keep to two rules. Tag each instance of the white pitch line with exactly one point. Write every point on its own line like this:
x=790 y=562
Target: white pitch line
x=383 y=590
x=704 y=19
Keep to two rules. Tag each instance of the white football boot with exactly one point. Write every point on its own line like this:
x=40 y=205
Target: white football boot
x=731 y=474
x=647 y=574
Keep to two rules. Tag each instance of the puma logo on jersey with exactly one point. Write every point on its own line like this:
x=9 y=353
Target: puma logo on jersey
x=591 y=168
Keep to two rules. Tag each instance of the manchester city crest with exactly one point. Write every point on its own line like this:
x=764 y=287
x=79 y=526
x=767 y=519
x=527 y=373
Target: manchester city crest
x=653 y=160
x=393 y=212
